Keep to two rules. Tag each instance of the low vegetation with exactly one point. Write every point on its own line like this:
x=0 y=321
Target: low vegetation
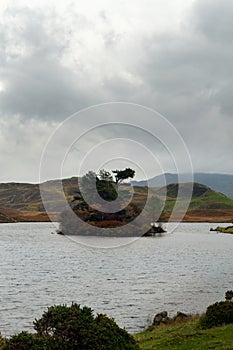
x=65 y=327
x=219 y=313
x=73 y=327
x=228 y=229
x=186 y=335
x=213 y=330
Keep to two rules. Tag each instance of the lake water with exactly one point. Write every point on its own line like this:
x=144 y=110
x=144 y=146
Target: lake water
x=185 y=270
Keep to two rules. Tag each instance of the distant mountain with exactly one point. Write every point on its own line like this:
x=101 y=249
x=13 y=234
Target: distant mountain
x=219 y=182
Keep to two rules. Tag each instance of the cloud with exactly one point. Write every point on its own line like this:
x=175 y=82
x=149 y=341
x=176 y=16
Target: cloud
x=58 y=58
x=21 y=144
x=213 y=19
x=188 y=77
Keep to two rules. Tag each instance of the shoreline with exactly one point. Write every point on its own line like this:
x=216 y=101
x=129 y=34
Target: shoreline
x=35 y=219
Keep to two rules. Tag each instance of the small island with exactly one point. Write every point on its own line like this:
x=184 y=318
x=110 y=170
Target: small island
x=228 y=229
x=95 y=189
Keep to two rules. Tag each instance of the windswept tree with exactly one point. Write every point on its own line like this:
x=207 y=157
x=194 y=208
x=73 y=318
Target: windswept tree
x=125 y=174
x=93 y=185
x=105 y=175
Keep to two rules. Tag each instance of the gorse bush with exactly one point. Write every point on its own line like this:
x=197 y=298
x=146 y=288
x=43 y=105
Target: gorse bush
x=218 y=314
x=26 y=341
x=65 y=327
x=229 y=295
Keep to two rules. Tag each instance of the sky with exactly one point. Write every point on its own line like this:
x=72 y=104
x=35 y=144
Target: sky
x=59 y=57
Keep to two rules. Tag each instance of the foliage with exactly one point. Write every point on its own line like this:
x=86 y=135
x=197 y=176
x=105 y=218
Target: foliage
x=229 y=295
x=91 y=185
x=125 y=174
x=228 y=229
x=70 y=225
x=77 y=328
x=71 y=328
x=105 y=175
x=87 y=185
x=218 y=314
x=106 y=190
x=2 y=341
x=27 y=341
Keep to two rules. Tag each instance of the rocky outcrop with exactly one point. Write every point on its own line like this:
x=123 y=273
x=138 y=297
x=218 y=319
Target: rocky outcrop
x=162 y=318
x=153 y=231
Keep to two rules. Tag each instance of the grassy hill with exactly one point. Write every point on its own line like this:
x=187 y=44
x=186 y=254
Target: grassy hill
x=22 y=202
x=219 y=182
x=186 y=336
x=203 y=197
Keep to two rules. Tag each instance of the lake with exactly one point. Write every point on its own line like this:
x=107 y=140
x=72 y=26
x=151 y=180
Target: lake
x=185 y=270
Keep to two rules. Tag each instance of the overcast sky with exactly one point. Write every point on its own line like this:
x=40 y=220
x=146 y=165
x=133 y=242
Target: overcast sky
x=57 y=57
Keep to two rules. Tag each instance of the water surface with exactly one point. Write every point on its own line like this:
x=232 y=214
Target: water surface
x=185 y=270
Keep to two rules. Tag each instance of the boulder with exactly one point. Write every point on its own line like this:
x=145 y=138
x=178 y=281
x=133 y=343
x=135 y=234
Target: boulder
x=161 y=318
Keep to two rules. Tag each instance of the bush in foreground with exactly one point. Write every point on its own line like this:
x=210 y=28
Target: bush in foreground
x=26 y=341
x=218 y=314
x=65 y=327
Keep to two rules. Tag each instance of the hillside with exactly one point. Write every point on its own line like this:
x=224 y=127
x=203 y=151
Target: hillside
x=219 y=182
x=186 y=336
x=206 y=204
x=22 y=202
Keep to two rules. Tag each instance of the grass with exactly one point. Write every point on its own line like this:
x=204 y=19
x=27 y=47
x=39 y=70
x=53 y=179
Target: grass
x=211 y=200
x=229 y=230
x=226 y=230
x=186 y=336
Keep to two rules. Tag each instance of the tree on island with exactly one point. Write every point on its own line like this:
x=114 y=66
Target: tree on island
x=105 y=175
x=104 y=183
x=125 y=174
x=87 y=204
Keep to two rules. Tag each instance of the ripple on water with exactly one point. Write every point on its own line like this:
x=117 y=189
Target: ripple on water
x=185 y=271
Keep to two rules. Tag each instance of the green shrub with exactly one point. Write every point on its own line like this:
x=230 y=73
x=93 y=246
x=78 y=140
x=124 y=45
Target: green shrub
x=2 y=341
x=27 y=341
x=77 y=328
x=65 y=327
x=218 y=314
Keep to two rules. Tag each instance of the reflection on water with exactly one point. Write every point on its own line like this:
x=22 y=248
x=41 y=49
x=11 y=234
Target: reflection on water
x=186 y=271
